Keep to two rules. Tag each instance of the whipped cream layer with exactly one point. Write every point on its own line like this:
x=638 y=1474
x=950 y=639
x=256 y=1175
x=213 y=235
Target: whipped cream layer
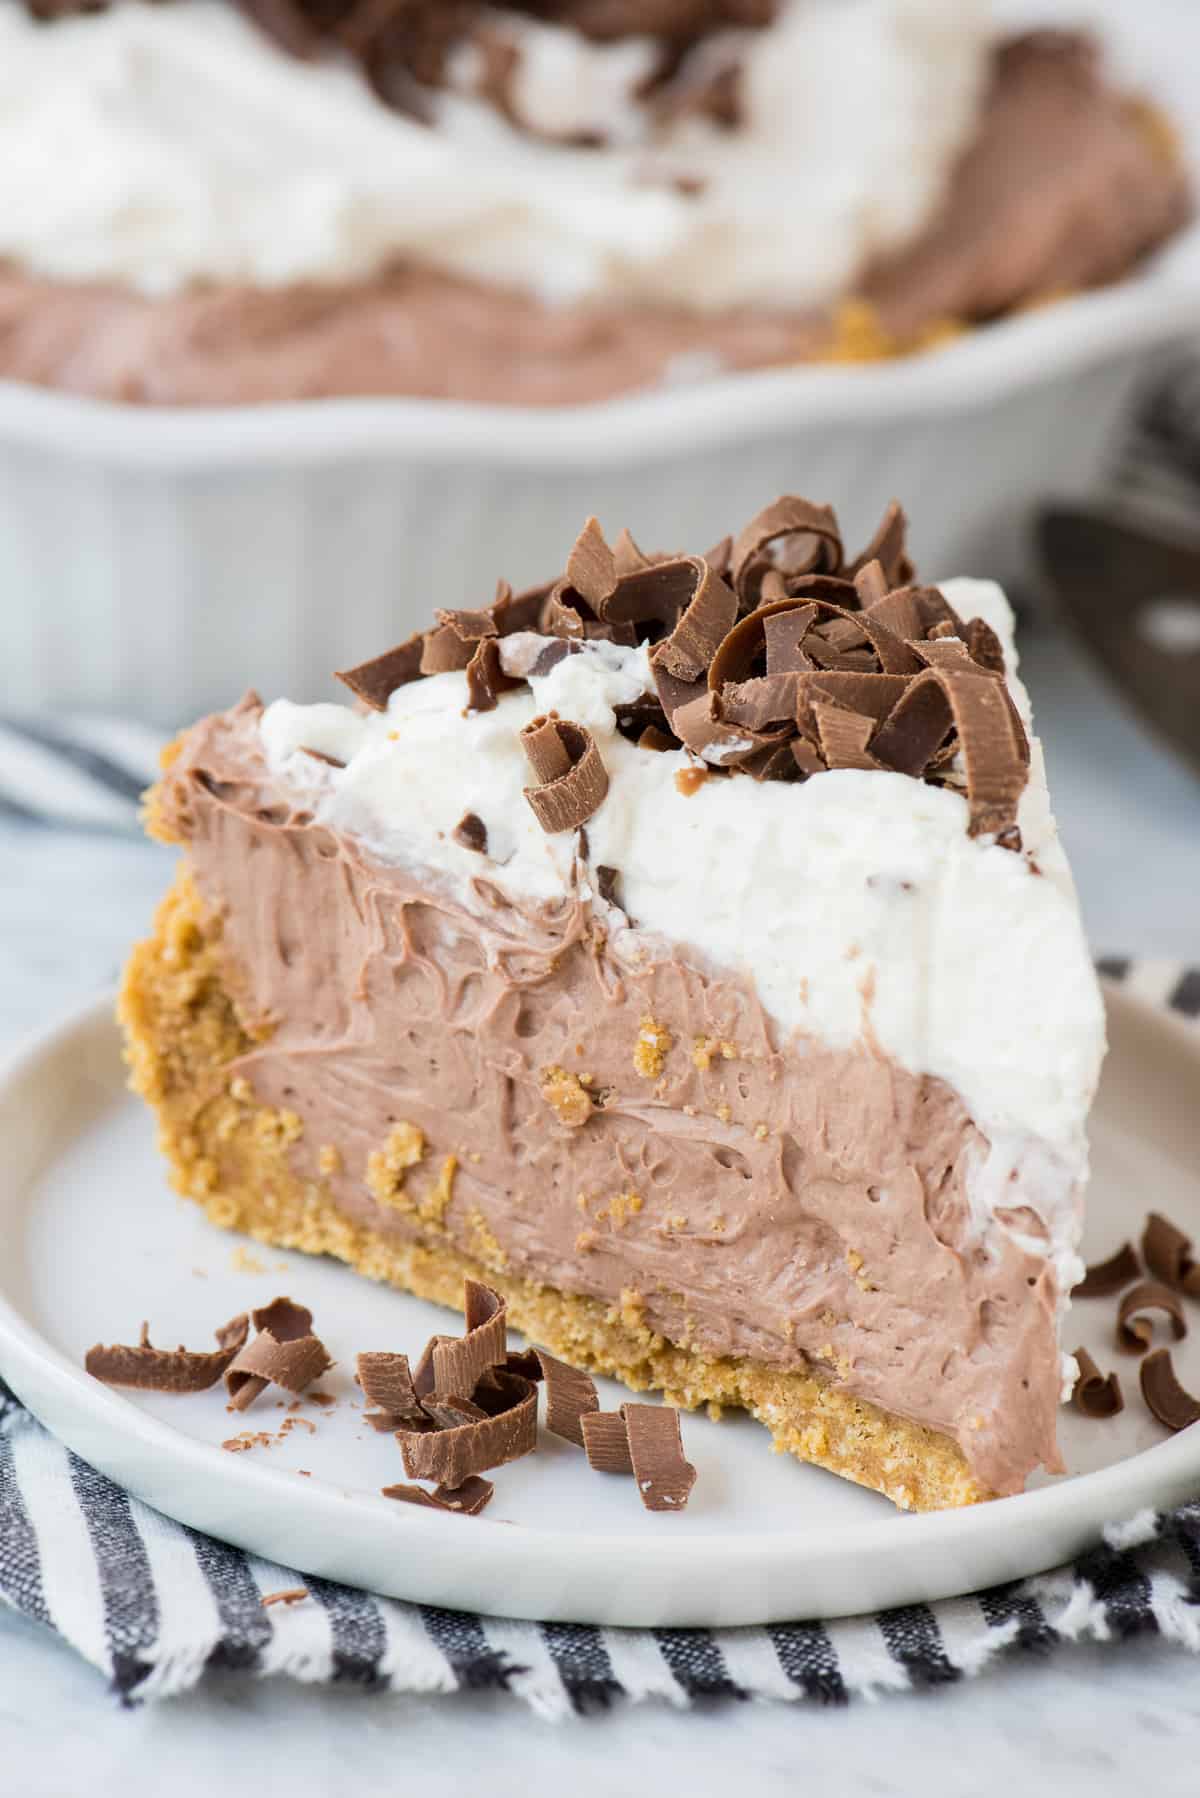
x=856 y=903
x=157 y=147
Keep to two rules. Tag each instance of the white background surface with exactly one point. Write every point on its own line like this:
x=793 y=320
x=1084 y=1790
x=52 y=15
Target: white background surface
x=1092 y=1720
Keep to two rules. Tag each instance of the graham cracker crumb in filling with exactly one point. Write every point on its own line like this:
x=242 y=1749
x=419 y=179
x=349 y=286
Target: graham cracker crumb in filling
x=651 y=1049
x=706 y=1049
x=566 y=1096
x=386 y=1167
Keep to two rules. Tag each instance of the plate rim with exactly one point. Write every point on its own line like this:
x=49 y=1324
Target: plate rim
x=763 y=1577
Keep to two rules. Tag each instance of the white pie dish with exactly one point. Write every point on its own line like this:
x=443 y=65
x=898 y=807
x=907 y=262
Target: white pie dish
x=154 y=562
x=94 y=1242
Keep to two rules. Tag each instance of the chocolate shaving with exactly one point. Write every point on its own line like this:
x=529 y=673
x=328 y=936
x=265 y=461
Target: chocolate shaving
x=606 y=1441
x=887 y=549
x=458 y=1361
x=1096 y=1394
x=1168 y=1255
x=450 y=1456
x=373 y=682
x=689 y=597
x=319 y=755
x=572 y=778
x=525 y=1362
x=447 y=1412
x=570 y=1395
x=664 y=1478
x=445 y=651
x=802 y=536
x=591 y=566
x=1170 y=1403
x=1136 y=1332
x=1108 y=1277
x=486 y=678
x=844 y=737
x=387 y=1382
x=284 y=1353
x=468 y=1498
x=471 y=833
x=167 y=1370
x=291 y=1595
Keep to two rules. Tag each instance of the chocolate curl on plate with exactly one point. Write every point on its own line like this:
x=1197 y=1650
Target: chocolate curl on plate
x=572 y=779
x=284 y=1353
x=570 y=1397
x=467 y=1499
x=458 y=1361
x=606 y=1441
x=664 y=1478
x=1135 y=1331
x=1096 y=1394
x=1108 y=1277
x=507 y=1430
x=793 y=536
x=1168 y=1255
x=1171 y=1404
x=167 y=1370
x=387 y=1384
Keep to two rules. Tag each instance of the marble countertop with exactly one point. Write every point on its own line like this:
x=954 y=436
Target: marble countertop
x=1091 y=1720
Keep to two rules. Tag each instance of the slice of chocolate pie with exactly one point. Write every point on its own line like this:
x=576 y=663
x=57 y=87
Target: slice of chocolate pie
x=685 y=947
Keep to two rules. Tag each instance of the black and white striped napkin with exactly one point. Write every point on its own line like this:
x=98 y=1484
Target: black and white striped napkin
x=152 y=1604
x=85 y=773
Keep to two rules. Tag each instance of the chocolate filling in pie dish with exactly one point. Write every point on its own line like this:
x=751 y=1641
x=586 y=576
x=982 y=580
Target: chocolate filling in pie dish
x=545 y=203
x=684 y=949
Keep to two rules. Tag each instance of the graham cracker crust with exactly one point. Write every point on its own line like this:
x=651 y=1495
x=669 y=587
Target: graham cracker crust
x=230 y=1154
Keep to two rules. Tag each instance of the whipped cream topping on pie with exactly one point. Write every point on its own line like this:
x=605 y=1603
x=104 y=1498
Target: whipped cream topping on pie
x=161 y=146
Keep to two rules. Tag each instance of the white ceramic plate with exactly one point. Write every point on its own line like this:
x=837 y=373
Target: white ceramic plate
x=94 y=1242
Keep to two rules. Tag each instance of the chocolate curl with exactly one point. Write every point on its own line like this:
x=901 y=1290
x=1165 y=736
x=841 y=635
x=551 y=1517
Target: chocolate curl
x=758 y=704
x=467 y=1499
x=458 y=1361
x=513 y=612
x=664 y=1478
x=486 y=678
x=572 y=779
x=570 y=1396
x=887 y=548
x=744 y=647
x=804 y=536
x=874 y=695
x=983 y=645
x=591 y=566
x=451 y=1456
x=445 y=650
x=1108 y=1277
x=844 y=737
x=387 y=1383
x=284 y=1353
x=627 y=557
x=991 y=740
x=167 y=1370
x=606 y=1441
x=784 y=632
x=685 y=595
x=1135 y=1332
x=373 y=682
x=1174 y=1407
x=1168 y=1254
x=870 y=583
x=1096 y=1394
x=910 y=613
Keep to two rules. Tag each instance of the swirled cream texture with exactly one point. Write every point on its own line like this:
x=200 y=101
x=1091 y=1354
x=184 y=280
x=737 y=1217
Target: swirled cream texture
x=158 y=148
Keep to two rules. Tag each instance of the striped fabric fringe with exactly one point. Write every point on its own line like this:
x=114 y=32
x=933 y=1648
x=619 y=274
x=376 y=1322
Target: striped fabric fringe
x=81 y=773
x=152 y=1604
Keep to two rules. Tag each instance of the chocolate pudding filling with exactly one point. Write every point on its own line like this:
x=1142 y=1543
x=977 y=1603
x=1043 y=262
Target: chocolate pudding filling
x=616 y=1124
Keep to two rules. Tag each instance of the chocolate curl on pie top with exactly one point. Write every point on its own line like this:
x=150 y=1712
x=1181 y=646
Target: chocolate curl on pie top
x=284 y=1353
x=167 y=1370
x=1168 y=1255
x=572 y=779
x=773 y=656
